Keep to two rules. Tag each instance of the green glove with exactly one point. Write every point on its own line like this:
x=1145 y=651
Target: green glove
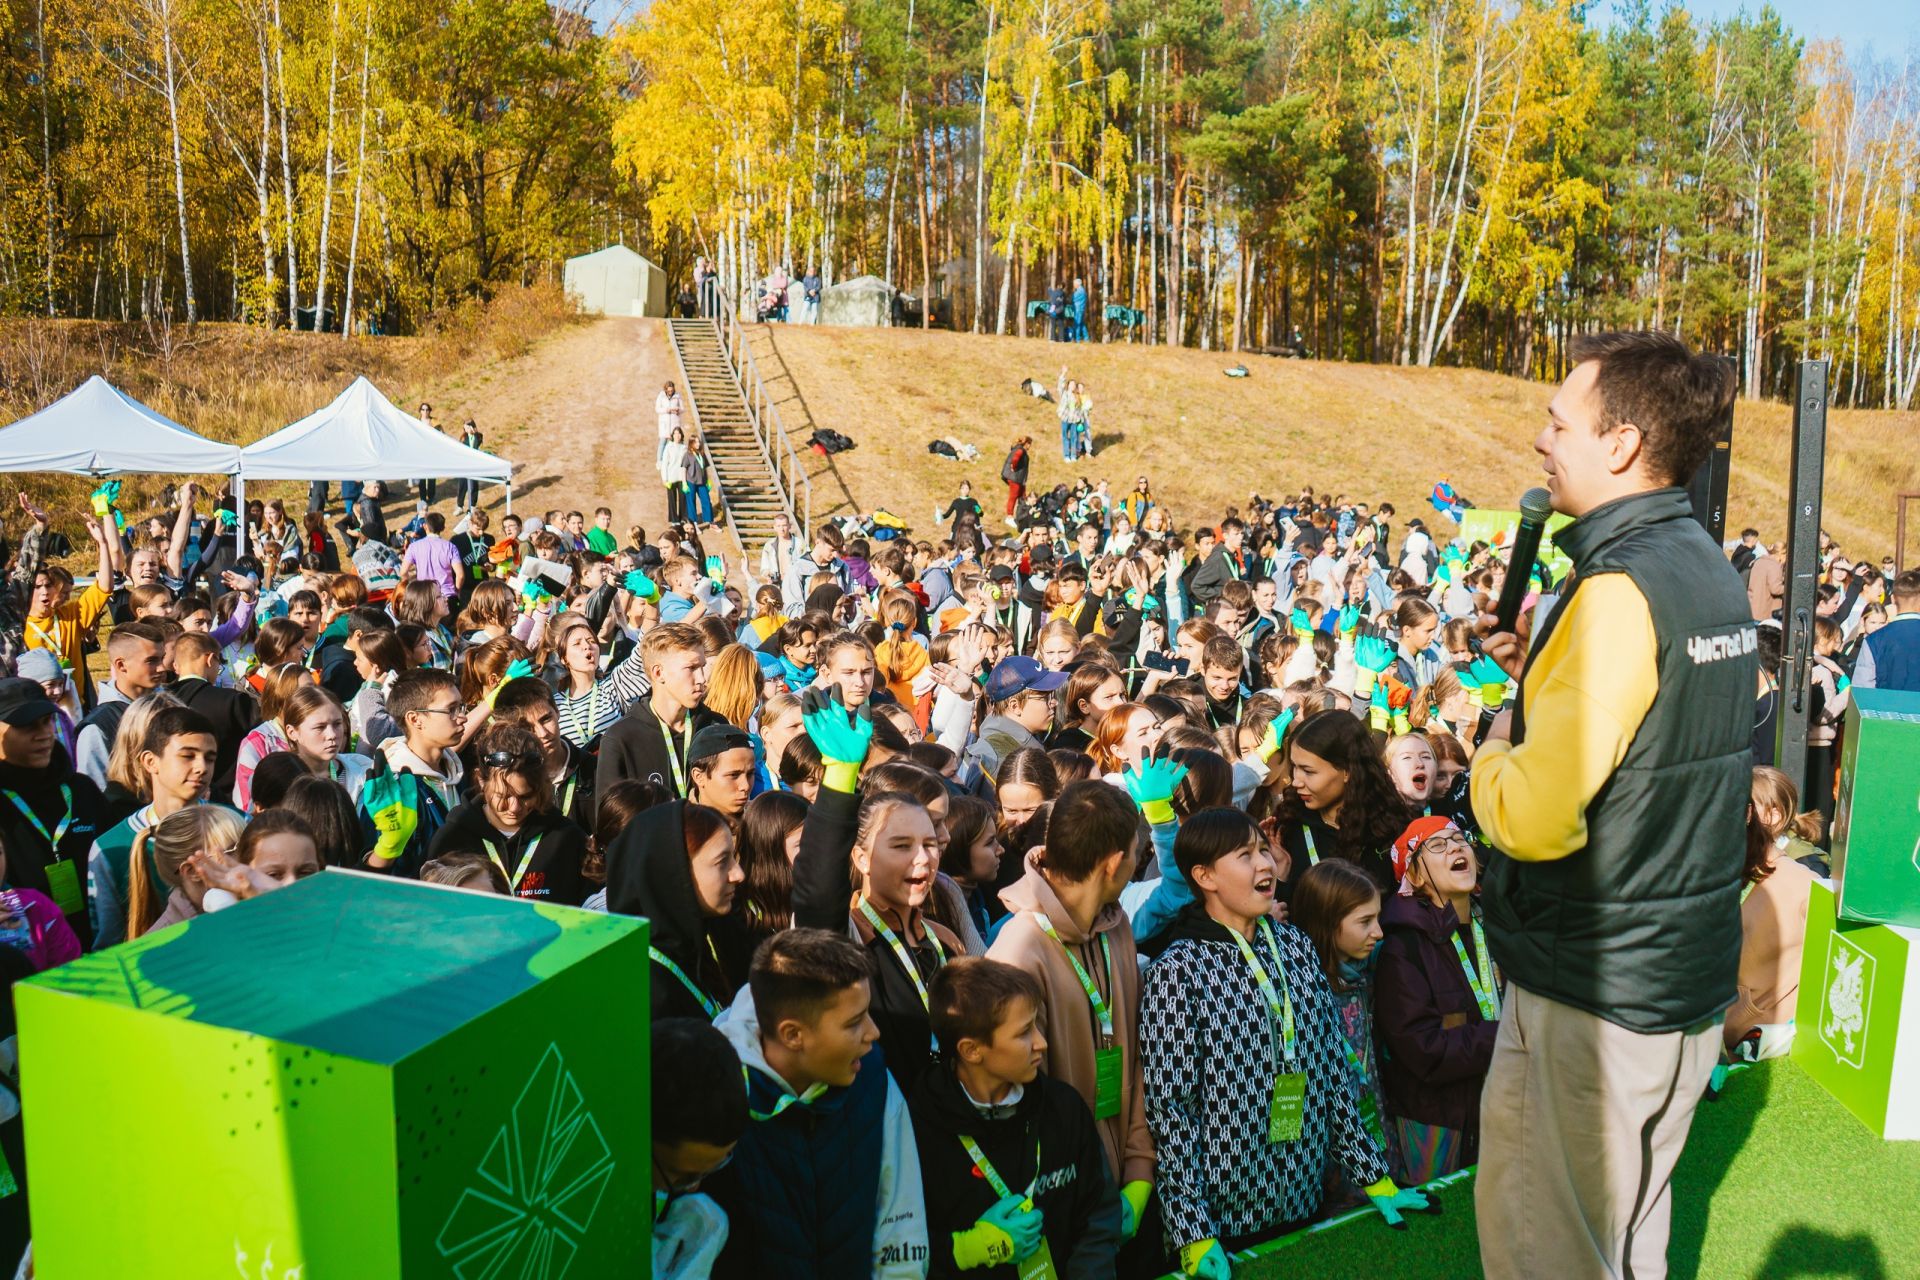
x=639 y=584
x=1276 y=730
x=1302 y=625
x=1391 y=1201
x=1379 y=710
x=1371 y=656
x=1133 y=1207
x=717 y=571
x=1207 y=1260
x=1013 y=1219
x=1491 y=678
x=533 y=593
x=842 y=736
x=1444 y=573
x=389 y=801
x=981 y=1245
x=1841 y=684
x=1152 y=784
x=519 y=669
x=1349 y=619
x=102 y=498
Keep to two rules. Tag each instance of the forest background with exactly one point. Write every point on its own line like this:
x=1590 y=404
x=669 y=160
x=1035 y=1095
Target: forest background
x=1411 y=181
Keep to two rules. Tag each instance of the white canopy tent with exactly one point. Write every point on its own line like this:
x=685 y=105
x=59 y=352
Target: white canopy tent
x=99 y=430
x=363 y=436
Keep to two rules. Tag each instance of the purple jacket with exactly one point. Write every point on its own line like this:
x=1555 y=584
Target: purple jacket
x=1432 y=1074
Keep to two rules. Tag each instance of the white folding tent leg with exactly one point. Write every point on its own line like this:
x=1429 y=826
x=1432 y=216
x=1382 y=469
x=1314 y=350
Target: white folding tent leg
x=509 y=497
x=240 y=515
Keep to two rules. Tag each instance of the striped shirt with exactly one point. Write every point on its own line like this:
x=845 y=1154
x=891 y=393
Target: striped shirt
x=584 y=717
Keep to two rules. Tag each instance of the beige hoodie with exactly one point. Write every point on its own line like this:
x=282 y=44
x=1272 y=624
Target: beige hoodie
x=1066 y=1017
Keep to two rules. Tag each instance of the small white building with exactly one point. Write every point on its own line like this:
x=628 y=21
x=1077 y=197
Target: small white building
x=862 y=302
x=616 y=281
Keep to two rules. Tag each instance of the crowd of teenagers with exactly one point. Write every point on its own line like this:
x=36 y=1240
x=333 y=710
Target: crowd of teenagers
x=1092 y=900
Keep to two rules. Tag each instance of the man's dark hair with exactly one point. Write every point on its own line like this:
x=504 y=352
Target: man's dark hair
x=1092 y=820
x=368 y=617
x=435 y=522
x=1230 y=524
x=797 y=973
x=699 y=1094
x=169 y=723
x=1907 y=585
x=517 y=697
x=1749 y=533
x=416 y=688
x=1675 y=397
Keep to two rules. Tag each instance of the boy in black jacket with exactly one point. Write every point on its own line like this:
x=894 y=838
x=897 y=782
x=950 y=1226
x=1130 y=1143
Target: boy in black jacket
x=652 y=742
x=1014 y=1172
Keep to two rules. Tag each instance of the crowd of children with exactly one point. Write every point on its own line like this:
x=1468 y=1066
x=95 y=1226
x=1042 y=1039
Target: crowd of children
x=1090 y=901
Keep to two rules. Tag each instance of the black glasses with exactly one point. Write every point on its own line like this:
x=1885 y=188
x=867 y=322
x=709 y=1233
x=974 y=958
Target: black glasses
x=456 y=711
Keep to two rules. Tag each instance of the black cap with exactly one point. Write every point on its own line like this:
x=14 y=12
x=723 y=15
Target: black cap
x=1042 y=554
x=23 y=702
x=1001 y=573
x=714 y=739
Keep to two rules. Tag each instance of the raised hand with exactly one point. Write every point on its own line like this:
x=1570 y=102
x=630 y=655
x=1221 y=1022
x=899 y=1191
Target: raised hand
x=1152 y=784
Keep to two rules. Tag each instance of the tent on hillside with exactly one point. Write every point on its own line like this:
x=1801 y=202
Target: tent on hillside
x=363 y=436
x=99 y=430
x=616 y=281
x=864 y=302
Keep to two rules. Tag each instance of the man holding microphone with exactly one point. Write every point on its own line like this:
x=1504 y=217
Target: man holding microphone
x=1614 y=793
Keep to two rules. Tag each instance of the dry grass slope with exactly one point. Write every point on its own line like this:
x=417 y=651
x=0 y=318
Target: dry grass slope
x=1375 y=432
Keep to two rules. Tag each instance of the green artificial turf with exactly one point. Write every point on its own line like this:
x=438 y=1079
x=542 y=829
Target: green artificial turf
x=1778 y=1181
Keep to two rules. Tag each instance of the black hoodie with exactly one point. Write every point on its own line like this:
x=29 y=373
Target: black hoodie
x=649 y=874
x=1072 y=1189
x=553 y=875
x=27 y=849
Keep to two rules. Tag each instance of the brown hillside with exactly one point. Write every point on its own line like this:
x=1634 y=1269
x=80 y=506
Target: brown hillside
x=1370 y=431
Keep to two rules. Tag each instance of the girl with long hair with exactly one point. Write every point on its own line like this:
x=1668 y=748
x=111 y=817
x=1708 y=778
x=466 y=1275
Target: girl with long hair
x=492 y=611
x=1126 y=735
x=421 y=604
x=733 y=686
x=379 y=659
x=277 y=685
x=588 y=702
x=1343 y=802
x=163 y=850
x=901 y=659
x=1092 y=690
x=315 y=726
x=1776 y=886
x=769 y=842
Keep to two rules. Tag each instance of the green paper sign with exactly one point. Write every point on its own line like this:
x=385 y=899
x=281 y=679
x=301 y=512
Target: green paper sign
x=356 y=1076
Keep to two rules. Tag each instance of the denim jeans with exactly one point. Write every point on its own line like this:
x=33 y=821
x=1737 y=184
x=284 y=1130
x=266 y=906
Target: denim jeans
x=350 y=491
x=700 y=504
x=1066 y=440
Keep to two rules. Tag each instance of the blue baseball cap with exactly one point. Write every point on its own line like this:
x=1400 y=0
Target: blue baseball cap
x=1019 y=674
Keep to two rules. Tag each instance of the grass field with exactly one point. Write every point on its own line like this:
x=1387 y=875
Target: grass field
x=1778 y=1180
x=1206 y=440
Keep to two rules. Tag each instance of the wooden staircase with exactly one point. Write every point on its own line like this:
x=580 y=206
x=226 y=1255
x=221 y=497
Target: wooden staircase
x=745 y=477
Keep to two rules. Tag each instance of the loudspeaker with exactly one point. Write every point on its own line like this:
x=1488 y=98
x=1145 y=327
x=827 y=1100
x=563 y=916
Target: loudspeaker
x=1708 y=489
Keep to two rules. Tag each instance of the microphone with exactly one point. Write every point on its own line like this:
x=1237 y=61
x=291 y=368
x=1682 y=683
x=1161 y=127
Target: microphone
x=1535 y=506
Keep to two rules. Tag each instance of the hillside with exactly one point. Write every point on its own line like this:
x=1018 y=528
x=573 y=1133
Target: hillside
x=1206 y=440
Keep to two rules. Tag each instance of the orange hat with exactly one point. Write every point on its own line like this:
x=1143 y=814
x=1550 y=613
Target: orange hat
x=1418 y=832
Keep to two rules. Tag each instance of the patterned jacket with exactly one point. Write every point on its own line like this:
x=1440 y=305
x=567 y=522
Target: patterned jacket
x=1210 y=1054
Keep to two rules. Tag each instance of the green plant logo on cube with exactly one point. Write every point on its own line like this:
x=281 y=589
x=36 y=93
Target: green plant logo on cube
x=387 y=1080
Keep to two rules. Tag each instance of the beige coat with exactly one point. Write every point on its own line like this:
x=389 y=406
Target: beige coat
x=1773 y=927
x=1067 y=1019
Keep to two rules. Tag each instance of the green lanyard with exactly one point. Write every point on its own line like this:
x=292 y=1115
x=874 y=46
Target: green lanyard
x=514 y=877
x=673 y=761
x=1746 y=890
x=786 y=1099
x=1486 y=995
x=1102 y=1011
x=59 y=832
x=1280 y=1001
x=707 y=1002
x=992 y=1175
x=1363 y=1091
x=901 y=954
x=565 y=794
x=1313 y=854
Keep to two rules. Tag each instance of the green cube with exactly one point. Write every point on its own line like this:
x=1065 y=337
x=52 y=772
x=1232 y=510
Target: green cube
x=1876 y=825
x=355 y=1076
x=1854 y=1029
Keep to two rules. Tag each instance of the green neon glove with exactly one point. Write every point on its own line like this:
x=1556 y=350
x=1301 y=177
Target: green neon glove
x=981 y=1245
x=843 y=737
x=519 y=669
x=1302 y=624
x=1349 y=619
x=1379 y=710
x=1276 y=730
x=1152 y=784
x=1014 y=1220
x=639 y=584
x=102 y=499
x=1841 y=684
x=1491 y=679
x=1371 y=656
x=1391 y=1201
x=1444 y=573
x=389 y=802
x=1206 y=1260
x=717 y=571
x=1133 y=1207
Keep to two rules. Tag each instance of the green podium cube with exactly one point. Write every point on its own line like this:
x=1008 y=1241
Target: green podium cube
x=354 y=1077
x=1876 y=824
x=1854 y=1029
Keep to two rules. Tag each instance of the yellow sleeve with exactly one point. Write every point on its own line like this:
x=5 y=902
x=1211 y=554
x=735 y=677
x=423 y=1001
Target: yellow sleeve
x=92 y=603
x=1586 y=694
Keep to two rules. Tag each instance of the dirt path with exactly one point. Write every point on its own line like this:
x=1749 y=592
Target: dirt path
x=575 y=417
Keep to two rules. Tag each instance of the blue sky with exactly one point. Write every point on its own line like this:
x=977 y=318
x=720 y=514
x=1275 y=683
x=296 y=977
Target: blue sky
x=1888 y=27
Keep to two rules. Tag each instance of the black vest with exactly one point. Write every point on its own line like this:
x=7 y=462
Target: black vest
x=1642 y=927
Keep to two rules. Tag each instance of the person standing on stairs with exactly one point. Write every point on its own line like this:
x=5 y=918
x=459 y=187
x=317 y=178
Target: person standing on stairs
x=666 y=409
x=424 y=489
x=673 y=474
x=699 y=485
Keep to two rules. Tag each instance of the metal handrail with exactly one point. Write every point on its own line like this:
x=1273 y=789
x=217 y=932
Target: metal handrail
x=784 y=464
